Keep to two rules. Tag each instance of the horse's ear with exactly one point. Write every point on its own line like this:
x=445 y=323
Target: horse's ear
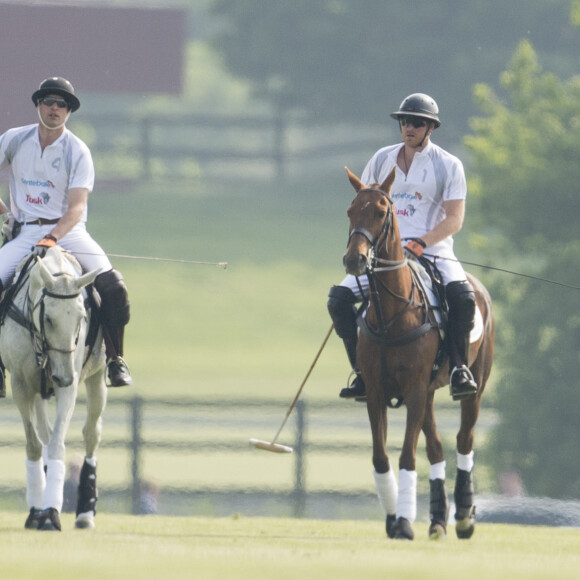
x=388 y=183
x=45 y=273
x=87 y=278
x=355 y=181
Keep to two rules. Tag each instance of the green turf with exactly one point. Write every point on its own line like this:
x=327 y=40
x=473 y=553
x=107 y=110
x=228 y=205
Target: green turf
x=152 y=547
x=252 y=329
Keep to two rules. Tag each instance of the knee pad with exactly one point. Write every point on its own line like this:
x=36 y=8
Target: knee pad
x=342 y=310
x=461 y=301
x=115 y=307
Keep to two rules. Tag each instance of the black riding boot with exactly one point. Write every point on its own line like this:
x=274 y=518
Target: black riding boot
x=342 y=310
x=114 y=317
x=461 y=300
x=2 y=380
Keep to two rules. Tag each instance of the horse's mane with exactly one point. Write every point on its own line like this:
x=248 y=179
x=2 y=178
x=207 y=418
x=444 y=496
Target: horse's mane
x=64 y=254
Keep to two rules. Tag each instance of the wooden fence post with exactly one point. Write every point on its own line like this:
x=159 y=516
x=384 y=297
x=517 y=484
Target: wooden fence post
x=136 y=442
x=299 y=493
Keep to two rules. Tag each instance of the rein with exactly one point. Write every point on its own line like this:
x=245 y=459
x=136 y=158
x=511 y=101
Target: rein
x=375 y=265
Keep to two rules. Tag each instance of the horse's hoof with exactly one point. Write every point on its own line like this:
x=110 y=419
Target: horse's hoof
x=33 y=519
x=391 y=524
x=403 y=530
x=437 y=531
x=465 y=528
x=465 y=523
x=85 y=521
x=49 y=520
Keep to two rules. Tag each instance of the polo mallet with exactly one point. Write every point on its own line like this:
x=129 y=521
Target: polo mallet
x=272 y=445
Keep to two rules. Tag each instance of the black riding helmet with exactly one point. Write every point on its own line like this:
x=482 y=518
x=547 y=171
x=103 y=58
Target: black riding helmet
x=418 y=105
x=57 y=86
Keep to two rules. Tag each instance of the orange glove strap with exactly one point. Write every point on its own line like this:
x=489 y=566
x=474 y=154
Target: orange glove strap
x=47 y=242
x=415 y=248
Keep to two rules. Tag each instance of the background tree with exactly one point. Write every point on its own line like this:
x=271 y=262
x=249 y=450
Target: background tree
x=525 y=153
x=357 y=59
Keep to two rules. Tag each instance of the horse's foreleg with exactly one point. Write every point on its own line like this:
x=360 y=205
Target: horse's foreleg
x=96 y=402
x=463 y=494
x=407 y=499
x=438 y=504
x=384 y=476
x=53 y=492
x=87 y=490
x=87 y=495
x=55 y=466
x=35 y=483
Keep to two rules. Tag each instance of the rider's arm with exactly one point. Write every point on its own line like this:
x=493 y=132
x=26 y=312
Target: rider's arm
x=77 y=201
x=451 y=224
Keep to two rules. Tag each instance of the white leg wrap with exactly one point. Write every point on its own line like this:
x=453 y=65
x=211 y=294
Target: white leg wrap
x=437 y=470
x=386 y=486
x=35 y=483
x=407 y=500
x=53 y=494
x=465 y=462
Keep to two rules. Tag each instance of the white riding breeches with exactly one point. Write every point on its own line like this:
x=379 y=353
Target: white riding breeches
x=78 y=242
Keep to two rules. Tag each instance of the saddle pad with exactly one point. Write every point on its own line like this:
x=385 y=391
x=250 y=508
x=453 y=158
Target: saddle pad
x=427 y=284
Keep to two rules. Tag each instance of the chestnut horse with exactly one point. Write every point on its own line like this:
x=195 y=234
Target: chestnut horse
x=396 y=359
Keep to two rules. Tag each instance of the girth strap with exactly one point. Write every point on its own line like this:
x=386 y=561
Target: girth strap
x=377 y=336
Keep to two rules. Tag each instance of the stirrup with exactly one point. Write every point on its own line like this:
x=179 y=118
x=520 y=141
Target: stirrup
x=467 y=388
x=119 y=373
x=356 y=390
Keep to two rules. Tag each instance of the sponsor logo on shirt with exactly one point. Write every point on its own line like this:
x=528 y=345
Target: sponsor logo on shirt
x=406 y=195
x=41 y=199
x=406 y=211
x=37 y=183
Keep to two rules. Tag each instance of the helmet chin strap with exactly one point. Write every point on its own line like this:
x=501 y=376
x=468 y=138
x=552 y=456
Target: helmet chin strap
x=427 y=133
x=52 y=128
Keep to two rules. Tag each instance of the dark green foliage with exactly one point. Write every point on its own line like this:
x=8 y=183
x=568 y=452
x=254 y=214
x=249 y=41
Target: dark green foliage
x=526 y=152
x=357 y=59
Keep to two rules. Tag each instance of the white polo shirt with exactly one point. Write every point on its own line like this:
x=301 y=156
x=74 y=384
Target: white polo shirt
x=40 y=180
x=435 y=176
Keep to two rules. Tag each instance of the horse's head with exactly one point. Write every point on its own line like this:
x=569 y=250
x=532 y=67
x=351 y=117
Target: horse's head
x=59 y=317
x=371 y=218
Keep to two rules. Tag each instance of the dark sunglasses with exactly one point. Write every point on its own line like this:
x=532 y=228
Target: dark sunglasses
x=417 y=122
x=49 y=101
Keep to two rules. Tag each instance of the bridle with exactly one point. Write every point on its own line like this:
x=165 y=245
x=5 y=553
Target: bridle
x=376 y=265
x=38 y=333
x=373 y=261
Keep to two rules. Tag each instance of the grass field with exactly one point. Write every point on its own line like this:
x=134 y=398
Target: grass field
x=152 y=547
x=199 y=329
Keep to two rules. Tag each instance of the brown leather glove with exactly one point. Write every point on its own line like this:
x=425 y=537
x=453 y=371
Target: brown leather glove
x=415 y=247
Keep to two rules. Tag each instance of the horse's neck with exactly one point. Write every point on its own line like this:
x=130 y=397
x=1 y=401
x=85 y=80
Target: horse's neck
x=395 y=286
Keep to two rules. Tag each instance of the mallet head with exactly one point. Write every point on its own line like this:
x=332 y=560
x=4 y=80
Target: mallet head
x=267 y=446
